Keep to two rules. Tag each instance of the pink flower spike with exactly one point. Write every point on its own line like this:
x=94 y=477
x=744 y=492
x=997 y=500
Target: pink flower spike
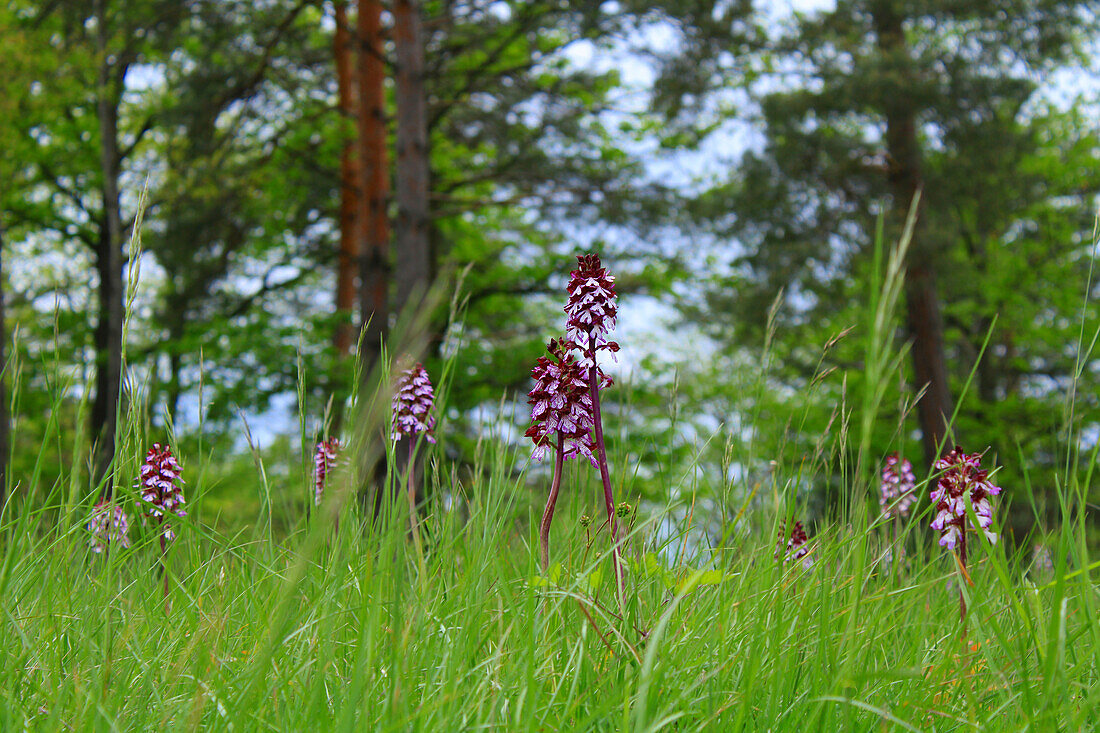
x=898 y=488
x=560 y=403
x=591 y=310
x=412 y=401
x=324 y=458
x=796 y=546
x=158 y=483
x=108 y=526
x=962 y=473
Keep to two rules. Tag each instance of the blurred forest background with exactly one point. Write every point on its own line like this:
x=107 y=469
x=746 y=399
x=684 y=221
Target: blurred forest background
x=303 y=169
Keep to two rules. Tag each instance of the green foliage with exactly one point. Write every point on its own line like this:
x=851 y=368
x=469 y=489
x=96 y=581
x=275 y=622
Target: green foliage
x=341 y=628
x=1005 y=215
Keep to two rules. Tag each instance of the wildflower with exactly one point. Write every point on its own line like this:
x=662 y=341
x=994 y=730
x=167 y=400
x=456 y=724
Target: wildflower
x=586 y=521
x=411 y=404
x=962 y=473
x=795 y=546
x=623 y=510
x=108 y=525
x=560 y=403
x=898 y=490
x=592 y=309
x=324 y=457
x=160 y=476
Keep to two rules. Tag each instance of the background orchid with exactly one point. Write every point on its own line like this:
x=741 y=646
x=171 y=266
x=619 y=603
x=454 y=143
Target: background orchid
x=109 y=526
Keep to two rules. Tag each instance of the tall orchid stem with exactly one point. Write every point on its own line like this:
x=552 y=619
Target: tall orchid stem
x=551 y=502
x=163 y=565
x=414 y=524
x=605 y=475
x=962 y=581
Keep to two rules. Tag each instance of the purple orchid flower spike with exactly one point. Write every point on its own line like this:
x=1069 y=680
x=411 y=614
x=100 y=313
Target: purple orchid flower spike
x=413 y=401
x=561 y=420
x=794 y=546
x=324 y=458
x=159 y=483
x=109 y=526
x=962 y=474
x=591 y=312
x=160 y=488
x=592 y=309
x=412 y=405
x=898 y=488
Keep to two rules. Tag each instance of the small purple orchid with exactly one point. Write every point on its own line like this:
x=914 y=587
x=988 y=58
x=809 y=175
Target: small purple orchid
x=412 y=403
x=108 y=526
x=159 y=485
x=962 y=474
x=794 y=546
x=159 y=482
x=324 y=458
x=898 y=489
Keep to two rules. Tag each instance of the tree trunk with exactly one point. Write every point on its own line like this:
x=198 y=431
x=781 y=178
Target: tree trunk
x=108 y=333
x=413 y=261
x=924 y=319
x=175 y=376
x=349 y=185
x=374 y=267
x=5 y=426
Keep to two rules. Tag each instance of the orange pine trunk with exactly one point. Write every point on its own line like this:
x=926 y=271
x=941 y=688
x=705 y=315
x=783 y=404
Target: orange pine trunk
x=374 y=268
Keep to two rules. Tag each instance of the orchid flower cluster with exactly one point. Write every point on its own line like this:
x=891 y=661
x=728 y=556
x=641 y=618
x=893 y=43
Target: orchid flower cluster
x=412 y=403
x=794 y=546
x=566 y=398
x=591 y=309
x=561 y=403
x=324 y=458
x=962 y=474
x=160 y=490
x=898 y=489
x=108 y=526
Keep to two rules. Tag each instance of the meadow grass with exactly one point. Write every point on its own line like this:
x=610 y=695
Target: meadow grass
x=303 y=622
x=343 y=629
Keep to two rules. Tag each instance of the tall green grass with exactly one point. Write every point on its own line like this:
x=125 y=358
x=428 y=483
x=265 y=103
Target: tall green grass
x=340 y=631
x=339 y=626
